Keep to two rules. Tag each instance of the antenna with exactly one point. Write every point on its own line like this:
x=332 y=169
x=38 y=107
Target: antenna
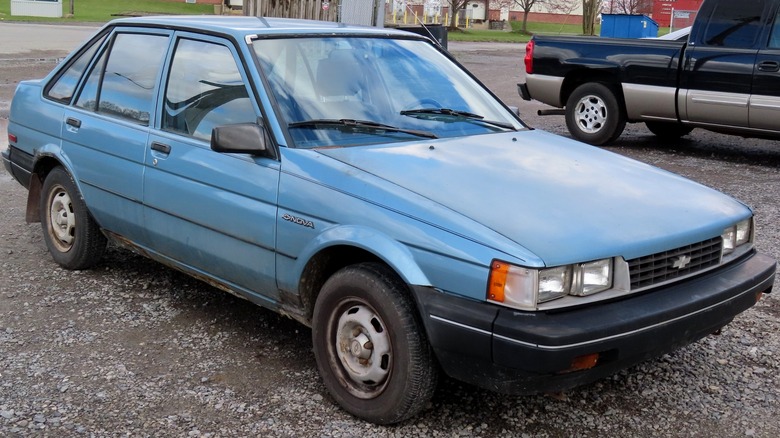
x=428 y=31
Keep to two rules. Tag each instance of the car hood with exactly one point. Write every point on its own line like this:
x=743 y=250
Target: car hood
x=562 y=200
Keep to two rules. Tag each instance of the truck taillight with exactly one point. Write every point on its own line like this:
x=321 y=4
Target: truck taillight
x=529 y=57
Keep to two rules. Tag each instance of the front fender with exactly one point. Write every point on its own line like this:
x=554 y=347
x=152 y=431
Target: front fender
x=391 y=251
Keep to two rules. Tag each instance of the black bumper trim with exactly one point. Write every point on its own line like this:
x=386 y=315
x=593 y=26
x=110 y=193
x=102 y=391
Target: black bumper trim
x=753 y=290
x=526 y=352
x=522 y=90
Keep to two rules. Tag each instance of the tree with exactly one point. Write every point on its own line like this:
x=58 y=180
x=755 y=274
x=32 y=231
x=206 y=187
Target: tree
x=629 y=6
x=526 y=6
x=455 y=7
x=590 y=10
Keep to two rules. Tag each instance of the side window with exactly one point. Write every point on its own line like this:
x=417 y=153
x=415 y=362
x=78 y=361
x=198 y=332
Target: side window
x=735 y=24
x=127 y=90
x=774 y=38
x=65 y=85
x=89 y=93
x=202 y=95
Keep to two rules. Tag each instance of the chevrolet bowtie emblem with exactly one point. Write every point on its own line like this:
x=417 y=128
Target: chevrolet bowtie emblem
x=681 y=262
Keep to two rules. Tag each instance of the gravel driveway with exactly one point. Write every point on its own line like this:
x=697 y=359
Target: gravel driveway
x=131 y=348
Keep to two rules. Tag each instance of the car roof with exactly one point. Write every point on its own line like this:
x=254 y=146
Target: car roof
x=240 y=26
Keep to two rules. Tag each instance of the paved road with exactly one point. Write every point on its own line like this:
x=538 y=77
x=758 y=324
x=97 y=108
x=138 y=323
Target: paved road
x=18 y=38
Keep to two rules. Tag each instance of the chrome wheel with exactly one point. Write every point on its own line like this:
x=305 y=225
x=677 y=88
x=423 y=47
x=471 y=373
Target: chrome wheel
x=595 y=113
x=62 y=219
x=591 y=114
x=363 y=348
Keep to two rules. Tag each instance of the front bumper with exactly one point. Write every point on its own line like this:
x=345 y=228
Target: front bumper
x=525 y=352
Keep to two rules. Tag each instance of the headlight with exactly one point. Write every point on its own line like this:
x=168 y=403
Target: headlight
x=525 y=288
x=737 y=235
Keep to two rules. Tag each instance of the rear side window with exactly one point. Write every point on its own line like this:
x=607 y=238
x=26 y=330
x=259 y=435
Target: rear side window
x=131 y=70
x=65 y=85
x=734 y=24
x=202 y=95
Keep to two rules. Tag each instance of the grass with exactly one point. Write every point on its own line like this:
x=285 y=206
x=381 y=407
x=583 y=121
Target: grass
x=106 y=10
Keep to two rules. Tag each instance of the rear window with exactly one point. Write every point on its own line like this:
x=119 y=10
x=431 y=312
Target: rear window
x=65 y=85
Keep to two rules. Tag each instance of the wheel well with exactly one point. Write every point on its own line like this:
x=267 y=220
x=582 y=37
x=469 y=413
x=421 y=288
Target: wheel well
x=42 y=168
x=579 y=77
x=323 y=265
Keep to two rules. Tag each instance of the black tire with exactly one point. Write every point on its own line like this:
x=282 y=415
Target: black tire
x=370 y=345
x=668 y=130
x=594 y=114
x=72 y=236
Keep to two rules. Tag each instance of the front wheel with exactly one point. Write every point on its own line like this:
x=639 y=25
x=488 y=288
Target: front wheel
x=594 y=115
x=72 y=236
x=370 y=345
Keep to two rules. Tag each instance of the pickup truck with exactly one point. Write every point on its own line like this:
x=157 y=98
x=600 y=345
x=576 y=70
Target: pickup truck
x=725 y=78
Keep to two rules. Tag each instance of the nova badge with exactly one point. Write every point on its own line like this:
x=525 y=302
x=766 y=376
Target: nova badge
x=298 y=221
x=681 y=262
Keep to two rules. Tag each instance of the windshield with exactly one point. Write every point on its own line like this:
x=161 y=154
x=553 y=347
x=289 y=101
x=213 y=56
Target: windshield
x=342 y=91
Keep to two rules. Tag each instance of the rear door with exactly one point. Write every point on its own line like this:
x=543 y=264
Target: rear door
x=718 y=67
x=212 y=213
x=106 y=128
x=765 y=96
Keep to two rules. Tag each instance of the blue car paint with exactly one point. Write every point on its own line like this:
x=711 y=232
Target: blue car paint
x=562 y=200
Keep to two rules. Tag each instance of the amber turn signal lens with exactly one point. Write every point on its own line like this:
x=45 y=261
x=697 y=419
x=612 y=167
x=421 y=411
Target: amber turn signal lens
x=497 y=282
x=585 y=362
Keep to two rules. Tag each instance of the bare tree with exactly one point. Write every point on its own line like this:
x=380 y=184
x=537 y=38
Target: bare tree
x=526 y=6
x=590 y=10
x=455 y=7
x=629 y=6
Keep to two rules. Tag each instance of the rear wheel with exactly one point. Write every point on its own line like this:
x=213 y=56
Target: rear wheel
x=594 y=115
x=72 y=236
x=668 y=130
x=370 y=345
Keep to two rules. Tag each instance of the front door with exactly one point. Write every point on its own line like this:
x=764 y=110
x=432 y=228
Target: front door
x=212 y=213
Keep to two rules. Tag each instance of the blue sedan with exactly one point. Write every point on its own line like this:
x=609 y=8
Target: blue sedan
x=360 y=181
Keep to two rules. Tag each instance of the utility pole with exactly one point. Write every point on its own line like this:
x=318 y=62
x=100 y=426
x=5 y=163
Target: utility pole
x=71 y=7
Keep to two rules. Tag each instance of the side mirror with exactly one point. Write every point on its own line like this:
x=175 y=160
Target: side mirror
x=242 y=138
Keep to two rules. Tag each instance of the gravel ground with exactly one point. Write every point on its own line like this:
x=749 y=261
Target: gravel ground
x=131 y=348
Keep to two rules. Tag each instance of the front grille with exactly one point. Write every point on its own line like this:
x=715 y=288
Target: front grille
x=668 y=265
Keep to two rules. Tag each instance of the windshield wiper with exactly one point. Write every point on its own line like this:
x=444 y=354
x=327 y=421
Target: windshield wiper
x=359 y=125
x=455 y=113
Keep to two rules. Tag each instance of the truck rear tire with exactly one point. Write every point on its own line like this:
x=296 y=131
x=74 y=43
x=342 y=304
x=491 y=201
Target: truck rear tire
x=594 y=114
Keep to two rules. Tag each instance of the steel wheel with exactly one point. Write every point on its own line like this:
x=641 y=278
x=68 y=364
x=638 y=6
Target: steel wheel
x=62 y=219
x=363 y=348
x=72 y=236
x=370 y=345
